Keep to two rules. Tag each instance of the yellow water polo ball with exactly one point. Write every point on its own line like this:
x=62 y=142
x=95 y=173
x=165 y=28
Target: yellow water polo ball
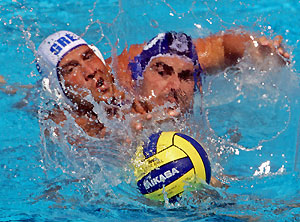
x=164 y=164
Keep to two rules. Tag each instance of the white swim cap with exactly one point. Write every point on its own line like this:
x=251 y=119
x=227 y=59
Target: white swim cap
x=50 y=53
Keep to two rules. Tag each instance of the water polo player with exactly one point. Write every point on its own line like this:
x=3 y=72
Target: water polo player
x=167 y=70
x=168 y=67
x=72 y=71
x=214 y=53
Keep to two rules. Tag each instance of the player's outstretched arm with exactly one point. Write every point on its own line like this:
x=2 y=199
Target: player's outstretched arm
x=219 y=51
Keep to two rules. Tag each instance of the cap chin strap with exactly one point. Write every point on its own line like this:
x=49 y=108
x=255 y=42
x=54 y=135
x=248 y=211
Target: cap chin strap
x=98 y=53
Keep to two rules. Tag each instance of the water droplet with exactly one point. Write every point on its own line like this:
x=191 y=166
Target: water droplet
x=153 y=23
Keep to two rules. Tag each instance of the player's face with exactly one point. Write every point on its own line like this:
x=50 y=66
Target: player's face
x=169 y=79
x=83 y=73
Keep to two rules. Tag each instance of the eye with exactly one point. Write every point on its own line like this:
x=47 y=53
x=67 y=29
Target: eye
x=163 y=69
x=88 y=54
x=168 y=70
x=186 y=75
x=69 y=68
x=100 y=82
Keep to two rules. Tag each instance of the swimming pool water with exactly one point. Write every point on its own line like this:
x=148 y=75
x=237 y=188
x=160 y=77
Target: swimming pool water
x=253 y=127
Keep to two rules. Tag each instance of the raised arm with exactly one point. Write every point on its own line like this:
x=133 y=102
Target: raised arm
x=220 y=51
x=215 y=53
x=120 y=65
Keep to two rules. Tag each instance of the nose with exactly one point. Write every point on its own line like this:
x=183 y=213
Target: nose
x=174 y=82
x=89 y=72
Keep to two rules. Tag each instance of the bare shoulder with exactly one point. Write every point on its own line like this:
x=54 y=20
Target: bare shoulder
x=135 y=50
x=57 y=116
x=91 y=126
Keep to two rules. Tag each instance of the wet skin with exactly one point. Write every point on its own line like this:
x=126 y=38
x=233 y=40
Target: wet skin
x=168 y=79
x=83 y=73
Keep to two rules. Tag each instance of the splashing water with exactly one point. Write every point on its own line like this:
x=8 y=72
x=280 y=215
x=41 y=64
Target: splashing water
x=246 y=118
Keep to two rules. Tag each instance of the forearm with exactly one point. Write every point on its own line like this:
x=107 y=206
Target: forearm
x=210 y=52
x=235 y=46
x=220 y=51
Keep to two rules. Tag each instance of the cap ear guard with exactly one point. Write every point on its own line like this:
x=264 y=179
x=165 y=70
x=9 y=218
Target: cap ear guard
x=50 y=82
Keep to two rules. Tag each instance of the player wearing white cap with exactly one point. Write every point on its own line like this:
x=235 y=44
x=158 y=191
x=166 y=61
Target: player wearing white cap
x=72 y=70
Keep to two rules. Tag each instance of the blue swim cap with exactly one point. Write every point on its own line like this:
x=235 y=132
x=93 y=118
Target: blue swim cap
x=170 y=43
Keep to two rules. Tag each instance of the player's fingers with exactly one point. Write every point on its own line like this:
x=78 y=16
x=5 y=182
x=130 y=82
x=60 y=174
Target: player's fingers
x=277 y=40
x=173 y=113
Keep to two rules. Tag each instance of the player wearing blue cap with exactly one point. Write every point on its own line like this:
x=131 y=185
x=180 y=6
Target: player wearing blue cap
x=167 y=70
x=169 y=67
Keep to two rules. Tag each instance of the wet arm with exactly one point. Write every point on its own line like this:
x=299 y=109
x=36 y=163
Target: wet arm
x=13 y=89
x=258 y=48
x=6 y=88
x=210 y=52
x=220 y=51
x=120 y=65
x=90 y=125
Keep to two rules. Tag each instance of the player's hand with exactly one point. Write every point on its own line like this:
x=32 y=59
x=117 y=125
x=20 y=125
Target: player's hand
x=269 y=53
x=275 y=45
x=143 y=117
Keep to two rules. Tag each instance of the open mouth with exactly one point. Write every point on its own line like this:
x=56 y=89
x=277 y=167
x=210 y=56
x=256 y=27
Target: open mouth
x=178 y=97
x=172 y=99
x=100 y=84
x=173 y=96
